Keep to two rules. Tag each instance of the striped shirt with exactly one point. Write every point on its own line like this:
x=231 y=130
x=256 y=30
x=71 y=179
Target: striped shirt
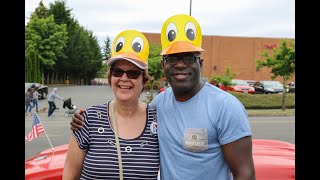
x=140 y=156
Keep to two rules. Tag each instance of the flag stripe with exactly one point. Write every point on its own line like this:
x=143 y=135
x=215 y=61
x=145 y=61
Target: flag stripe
x=36 y=129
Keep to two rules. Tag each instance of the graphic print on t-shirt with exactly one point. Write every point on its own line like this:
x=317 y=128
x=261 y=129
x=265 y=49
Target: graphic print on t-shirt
x=195 y=139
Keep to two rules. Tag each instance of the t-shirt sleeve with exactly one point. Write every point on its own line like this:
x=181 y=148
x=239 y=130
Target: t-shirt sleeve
x=155 y=101
x=233 y=121
x=82 y=135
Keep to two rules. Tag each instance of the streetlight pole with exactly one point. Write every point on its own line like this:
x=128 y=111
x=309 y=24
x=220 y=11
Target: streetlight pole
x=190 y=7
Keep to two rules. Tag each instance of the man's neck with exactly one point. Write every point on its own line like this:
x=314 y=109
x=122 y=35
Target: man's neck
x=182 y=96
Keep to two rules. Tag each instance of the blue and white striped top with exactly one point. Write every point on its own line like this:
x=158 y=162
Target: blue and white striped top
x=140 y=156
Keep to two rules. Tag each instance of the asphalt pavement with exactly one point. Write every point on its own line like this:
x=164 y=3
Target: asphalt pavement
x=58 y=127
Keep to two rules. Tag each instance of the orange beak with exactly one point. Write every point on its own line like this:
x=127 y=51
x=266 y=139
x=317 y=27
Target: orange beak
x=129 y=55
x=181 y=46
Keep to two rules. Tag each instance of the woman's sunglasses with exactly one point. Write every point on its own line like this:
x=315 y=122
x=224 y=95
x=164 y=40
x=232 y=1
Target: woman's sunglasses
x=132 y=74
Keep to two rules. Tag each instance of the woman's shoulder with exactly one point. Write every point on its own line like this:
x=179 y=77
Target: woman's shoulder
x=99 y=107
x=151 y=110
x=95 y=114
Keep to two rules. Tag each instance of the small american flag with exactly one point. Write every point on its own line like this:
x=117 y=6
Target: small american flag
x=36 y=129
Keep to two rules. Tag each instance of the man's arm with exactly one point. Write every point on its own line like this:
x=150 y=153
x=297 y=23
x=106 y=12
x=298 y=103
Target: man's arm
x=238 y=155
x=77 y=120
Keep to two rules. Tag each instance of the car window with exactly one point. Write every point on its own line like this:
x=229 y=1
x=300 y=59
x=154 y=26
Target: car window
x=26 y=85
x=240 y=82
x=272 y=84
x=257 y=84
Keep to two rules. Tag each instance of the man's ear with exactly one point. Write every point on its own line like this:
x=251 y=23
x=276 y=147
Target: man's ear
x=162 y=62
x=201 y=62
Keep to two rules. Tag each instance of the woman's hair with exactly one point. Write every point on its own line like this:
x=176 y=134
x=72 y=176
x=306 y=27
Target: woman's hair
x=145 y=79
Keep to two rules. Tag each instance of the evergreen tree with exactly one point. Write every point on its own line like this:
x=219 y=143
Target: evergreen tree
x=41 y=11
x=107 y=48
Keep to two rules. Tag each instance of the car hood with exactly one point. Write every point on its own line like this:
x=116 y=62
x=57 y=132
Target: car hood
x=47 y=164
x=272 y=160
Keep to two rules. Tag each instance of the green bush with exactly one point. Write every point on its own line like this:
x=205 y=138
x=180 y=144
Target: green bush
x=264 y=101
x=156 y=85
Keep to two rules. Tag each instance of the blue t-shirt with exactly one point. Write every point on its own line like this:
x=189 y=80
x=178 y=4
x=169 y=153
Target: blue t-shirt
x=191 y=133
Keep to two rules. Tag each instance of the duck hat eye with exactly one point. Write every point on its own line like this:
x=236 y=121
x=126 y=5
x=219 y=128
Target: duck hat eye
x=190 y=30
x=137 y=44
x=171 y=32
x=119 y=44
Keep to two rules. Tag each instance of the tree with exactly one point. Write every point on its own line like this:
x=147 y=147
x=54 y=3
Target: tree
x=32 y=65
x=47 y=38
x=155 y=66
x=65 y=66
x=62 y=14
x=225 y=79
x=281 y=62
x=106 y=54
x=66 y=49
x=41 y=11
x=107 y=48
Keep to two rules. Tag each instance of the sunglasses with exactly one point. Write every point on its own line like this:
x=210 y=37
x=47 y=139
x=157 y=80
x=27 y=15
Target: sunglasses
x=132 y=74
x=172 y=60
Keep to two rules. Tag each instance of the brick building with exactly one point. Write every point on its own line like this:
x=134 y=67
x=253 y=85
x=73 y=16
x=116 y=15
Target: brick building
x=240 y=53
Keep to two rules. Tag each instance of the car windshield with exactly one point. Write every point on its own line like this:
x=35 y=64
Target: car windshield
x=26 y=85
x=272 y=84
x=240 y=82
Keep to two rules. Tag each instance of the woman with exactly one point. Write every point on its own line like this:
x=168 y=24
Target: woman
x=93 y=150
x=27 y=101
x=35 y=98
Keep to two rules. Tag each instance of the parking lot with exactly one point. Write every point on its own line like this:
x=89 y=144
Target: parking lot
x=58 y=128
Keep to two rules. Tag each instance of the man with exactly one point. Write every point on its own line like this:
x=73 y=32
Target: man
x=203 y=131
x=52 y=105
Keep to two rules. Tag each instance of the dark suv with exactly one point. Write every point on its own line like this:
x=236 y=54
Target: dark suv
x=268 y=87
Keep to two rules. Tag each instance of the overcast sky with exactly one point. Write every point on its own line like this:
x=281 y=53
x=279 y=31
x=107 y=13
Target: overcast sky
x=243 y=18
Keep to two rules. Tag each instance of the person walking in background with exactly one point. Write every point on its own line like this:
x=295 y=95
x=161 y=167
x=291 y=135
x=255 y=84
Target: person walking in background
x=27 y=99
x=35 y=98
x=52 y=96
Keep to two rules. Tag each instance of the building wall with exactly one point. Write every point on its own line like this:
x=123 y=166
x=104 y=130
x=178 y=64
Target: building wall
x=240 y=53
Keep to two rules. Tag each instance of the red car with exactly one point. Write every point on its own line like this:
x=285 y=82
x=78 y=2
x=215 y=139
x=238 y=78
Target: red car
x=239 y=86
x=273 y=159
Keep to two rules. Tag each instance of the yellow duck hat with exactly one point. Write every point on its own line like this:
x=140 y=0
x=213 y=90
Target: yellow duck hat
x=181 y=33
x=130 y=45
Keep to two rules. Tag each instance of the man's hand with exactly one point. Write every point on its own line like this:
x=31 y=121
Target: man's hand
x=77 y=120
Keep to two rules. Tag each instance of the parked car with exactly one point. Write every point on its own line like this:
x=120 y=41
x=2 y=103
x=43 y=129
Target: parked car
x=273 y=159
x=268 y=87
x=239 y=86
x=291 y=87
x=250 y=82
x=42 y=89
